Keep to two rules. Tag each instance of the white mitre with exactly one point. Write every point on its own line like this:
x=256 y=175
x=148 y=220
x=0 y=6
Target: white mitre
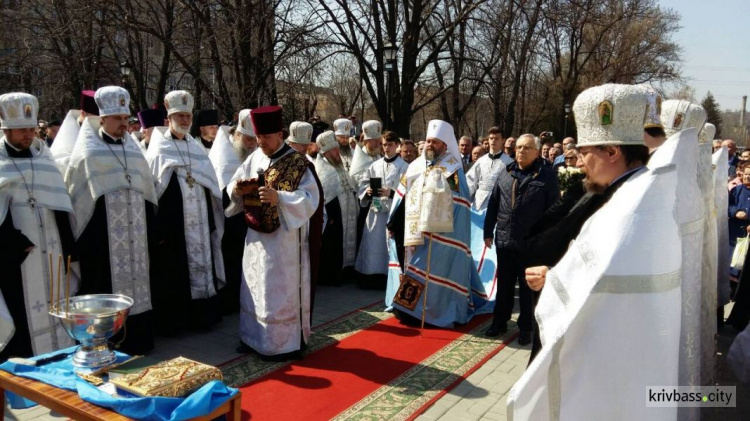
x=112 y=100
x=327 y=141
x=614 y=114
x=300 y=133
x=18 y=110
x=708 y=133
x=678 y=114
x=178 y=102
x=442 y=130
x=342 y=126
x=372 y=129
x=245 y=123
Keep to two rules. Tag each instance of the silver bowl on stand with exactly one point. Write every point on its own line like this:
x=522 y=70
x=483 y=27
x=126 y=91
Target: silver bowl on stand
x=92 y=320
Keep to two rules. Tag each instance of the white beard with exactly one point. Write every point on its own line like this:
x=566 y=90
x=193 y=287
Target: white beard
x=180 y=130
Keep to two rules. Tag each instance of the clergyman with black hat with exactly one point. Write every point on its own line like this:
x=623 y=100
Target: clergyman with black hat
x=188 y=258
x=205 y=127
x=149 y=119
x=113 y=196
x=276 y=190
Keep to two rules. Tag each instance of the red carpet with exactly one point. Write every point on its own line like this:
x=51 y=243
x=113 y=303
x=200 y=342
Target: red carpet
x=331 y=380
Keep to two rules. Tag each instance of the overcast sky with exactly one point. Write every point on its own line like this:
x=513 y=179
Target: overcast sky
x=715 y=38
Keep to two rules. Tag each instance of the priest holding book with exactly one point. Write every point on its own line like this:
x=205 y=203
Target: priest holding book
x=277 y=192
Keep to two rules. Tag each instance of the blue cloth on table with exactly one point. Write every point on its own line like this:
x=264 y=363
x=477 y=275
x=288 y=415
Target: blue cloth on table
x=60 y=374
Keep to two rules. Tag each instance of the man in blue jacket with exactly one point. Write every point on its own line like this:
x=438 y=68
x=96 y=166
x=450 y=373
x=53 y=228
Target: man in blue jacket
x=522 y=194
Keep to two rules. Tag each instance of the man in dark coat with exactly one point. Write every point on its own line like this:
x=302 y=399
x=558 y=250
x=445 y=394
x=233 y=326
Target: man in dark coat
x=523 y=194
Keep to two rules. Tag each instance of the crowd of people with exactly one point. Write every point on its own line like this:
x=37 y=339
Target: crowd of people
x=195 y=220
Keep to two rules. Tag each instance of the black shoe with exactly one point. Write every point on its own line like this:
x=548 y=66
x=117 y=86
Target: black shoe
x=524 y=338
x=496 y=330
x=280 y=358
x=244 y=349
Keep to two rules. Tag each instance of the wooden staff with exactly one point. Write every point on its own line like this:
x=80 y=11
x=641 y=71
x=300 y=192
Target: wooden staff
x=426 y=284
x=59 y=274
x=67 y=290
x=51 y=282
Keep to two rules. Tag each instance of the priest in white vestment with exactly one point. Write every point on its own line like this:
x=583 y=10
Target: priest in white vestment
x=439 y=281
x=190 y=225
x=367 y=153
x=113 y=196
x=372 y=258
x=34 y=223
x=481 y=178
x=342 y=128
x=609 y=315
x=275 y=294
x=697 y=343
x=225 y=160
x=300 y=139
x=66 y=137
x=341 y=204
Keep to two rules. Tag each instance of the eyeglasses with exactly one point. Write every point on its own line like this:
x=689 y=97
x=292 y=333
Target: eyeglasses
x=523 y=148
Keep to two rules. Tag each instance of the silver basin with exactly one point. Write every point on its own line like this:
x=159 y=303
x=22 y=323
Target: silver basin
x=92 y=320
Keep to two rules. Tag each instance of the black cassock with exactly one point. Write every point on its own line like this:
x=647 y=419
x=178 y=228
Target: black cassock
x=13 y=245
x=175 y=309
x=332 y=251
x=232 y=247
x=137 y=337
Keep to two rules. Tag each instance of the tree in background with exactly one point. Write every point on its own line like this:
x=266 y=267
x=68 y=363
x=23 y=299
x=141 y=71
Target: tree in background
x=713 y=111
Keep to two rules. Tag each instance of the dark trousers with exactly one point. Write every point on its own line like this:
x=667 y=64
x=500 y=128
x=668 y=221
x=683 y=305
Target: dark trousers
x=510 y=269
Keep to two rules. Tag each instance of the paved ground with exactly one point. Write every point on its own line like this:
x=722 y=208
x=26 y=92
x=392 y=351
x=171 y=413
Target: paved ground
x=481 y=396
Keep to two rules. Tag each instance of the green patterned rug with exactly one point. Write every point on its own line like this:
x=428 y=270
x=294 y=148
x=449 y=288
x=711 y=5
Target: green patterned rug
x=409 y=394
x=250 y=367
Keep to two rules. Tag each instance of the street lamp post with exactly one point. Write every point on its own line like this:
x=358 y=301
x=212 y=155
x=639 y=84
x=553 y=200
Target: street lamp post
x=390 y=52
x=125 y=73
x=567 y=113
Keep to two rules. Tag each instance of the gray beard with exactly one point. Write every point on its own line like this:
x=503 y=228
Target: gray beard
x=241 y=151
x=180 y=130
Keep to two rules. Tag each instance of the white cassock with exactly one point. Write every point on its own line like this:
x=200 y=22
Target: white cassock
x=337 y=183
x=189 y=161
x=95 y=169
x=682 y=150
x=481 y=178
x=361 y=161
x=38 y=224
x=224 y=157
x=275 y=294
x=373 y=250
x=66 y=137
x=609 y=314
x=706 y=349
x=721 y=201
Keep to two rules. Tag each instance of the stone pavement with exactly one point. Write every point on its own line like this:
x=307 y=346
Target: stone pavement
x=481 y=396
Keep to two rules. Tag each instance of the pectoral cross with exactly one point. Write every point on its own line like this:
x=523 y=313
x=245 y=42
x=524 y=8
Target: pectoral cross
x=190 y=180
x=128 y=179
x=32 y=202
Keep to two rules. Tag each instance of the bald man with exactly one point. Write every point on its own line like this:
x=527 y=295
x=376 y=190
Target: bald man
x=733 y=158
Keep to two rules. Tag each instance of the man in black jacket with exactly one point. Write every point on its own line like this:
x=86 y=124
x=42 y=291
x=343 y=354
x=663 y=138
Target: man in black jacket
x=521 y=196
